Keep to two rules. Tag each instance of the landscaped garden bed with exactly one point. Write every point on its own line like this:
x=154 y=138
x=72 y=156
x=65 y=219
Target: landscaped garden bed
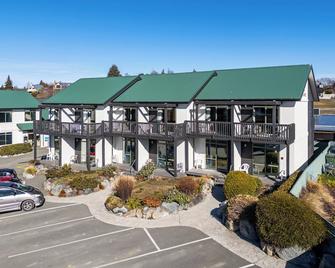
x=64 y=182
x=283 y=226
x=153 y=198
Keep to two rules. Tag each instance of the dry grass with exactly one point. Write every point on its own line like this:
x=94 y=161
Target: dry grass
x=318 y=197
x=322 y=104
x=124 y=186
x=153 y=187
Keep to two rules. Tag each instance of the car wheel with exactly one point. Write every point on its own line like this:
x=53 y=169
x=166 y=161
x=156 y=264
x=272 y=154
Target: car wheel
x=27 y=205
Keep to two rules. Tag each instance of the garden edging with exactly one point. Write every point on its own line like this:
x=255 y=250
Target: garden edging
x=198 y=217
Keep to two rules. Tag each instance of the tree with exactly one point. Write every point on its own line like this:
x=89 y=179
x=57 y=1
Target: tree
x=163 y=71
x=8 y=83
x=43 y=84
x=170 y=71
x=154 y=72
x=113 y=71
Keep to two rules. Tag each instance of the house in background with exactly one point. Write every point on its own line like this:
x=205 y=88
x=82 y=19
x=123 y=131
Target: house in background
x=215 y=120
x=17 y=113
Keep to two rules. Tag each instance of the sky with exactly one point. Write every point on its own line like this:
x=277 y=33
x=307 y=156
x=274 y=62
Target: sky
x=65 y=40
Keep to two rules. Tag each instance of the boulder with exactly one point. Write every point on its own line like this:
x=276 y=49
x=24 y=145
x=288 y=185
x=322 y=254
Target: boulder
x=68 y=192
x=87 y=191
x=120 y=211
x=138 y=213
x=48 y=185
x=27 y=176
x=56 y=189
x=327 y=261
x=232 y=225
x=171 y=208
x=298 y=256
x=248 y=230
x=105 y=183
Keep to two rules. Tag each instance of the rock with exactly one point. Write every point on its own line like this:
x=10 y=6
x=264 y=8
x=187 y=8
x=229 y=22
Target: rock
x=87 y=191
x=48 y=185
x=80 y=192
x=138 y=213
x=268 y=249
x=298 y=256
x=248 y=230
x=68 y=192
x=232 y=225
x=120 y=211
x=170 y=207
x=123 y=210
x=56 y=189
x=96 y=189
x=105 y=183
x=27 y=176
x=327 y=261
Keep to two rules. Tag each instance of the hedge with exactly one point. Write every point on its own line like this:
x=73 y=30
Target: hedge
x=13 y=149
x=238 y=182
x=285 y=221
x=287 y=185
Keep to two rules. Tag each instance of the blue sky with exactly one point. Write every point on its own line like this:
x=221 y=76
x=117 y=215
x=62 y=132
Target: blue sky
x=66 y=40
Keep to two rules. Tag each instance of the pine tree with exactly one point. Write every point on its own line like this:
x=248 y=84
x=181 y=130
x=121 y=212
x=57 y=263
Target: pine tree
x=154 y=72
x=163 y=71
x=113 y=71
x=8 y=83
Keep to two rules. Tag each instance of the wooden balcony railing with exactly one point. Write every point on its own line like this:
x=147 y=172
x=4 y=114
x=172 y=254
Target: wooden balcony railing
x=242 y=131
x=277 y=133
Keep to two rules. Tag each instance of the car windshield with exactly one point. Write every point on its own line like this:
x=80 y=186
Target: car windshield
x=25 y=188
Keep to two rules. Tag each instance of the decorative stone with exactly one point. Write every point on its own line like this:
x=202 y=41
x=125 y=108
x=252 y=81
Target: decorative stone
x=48 y=185
x=232 y=225
x=27 y=176
x=123 y=210
x=327 y=261
x=138 y=213
x=96 y=189
x=268 y=249
x=297 y=255
x=170 y=207
x=56 y=189
x=105 y=183
x=248 y=230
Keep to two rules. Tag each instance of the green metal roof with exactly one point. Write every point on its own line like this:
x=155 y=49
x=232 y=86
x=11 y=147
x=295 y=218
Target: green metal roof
x=267 y=83
x=91 y=90
x=25 y=126
x=11 y=99
x=179 y=87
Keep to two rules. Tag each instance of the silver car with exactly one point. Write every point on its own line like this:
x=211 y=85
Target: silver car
x=16 y=196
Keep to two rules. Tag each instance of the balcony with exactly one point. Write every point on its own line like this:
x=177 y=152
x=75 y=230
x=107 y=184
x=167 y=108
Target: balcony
x=268 y=133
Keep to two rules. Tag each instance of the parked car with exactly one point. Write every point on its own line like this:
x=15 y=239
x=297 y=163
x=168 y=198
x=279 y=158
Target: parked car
x=9 y=174
x=16 y=196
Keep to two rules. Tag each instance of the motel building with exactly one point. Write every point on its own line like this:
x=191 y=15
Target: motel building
x=211 y=120
x=17 y=113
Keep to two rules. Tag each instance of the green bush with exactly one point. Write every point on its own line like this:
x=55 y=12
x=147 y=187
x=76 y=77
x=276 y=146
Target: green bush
x=288 y=184
x=113 y=202
x=175 y=196
x=133 y=203
x=58 y=172
x=108 y=171
x=241 y=205
x=327 y=180
x=238 y=182
x=31 y=170
x=82 y=181
x=147 y=170
x=285 y=221
x=13 y=149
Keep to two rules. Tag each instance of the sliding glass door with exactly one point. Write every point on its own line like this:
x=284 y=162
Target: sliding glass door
x=217 y=155
x=128 y=150
x=265 y=159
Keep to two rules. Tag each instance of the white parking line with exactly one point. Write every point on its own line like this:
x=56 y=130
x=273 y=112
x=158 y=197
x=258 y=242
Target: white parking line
x=152 y=253
x=248 y=265
x=68 y=243
x=38 y=211
x=47 y=225
x=150 y=237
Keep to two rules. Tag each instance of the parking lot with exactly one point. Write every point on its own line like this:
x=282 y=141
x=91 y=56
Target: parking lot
x=67 y=235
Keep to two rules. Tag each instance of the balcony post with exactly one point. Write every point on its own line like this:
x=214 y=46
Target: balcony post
x=82 y=121
x=88 y=156
x=165 y=121
x=110 y=119
x=60 y=121
x=232 y=121
x=35 y=140
x=274 y=118
x=197 y=117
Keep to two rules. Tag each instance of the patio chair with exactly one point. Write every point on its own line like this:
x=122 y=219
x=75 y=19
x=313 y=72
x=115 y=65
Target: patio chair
x=281 y=175
x=245 y=168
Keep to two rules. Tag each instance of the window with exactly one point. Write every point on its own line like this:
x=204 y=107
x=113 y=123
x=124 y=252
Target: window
x=5 y=117
x=29 y=116
x=5 y=138
x=130 y=114
x=6 y=192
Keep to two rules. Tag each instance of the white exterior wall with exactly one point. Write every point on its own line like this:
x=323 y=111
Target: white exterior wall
x=67 y=150
x=236 y=155
x=142 y=153
x=200 y=153
x=117 y=155
x=98 y=152
x=143 y=114
x=68 y=115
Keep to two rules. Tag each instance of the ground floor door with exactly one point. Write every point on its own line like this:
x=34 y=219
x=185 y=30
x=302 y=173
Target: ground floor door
x=129 y=150
x=153 y=151
x=217 y=153
x=263 y=158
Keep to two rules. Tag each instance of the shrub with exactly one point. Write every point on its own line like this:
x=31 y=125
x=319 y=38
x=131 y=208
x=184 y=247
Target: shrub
x=289 y=182
x=326 y=179
x=238 y=182
x=31 y=170
x=152 y=201
x=157 y=187
x=108 y=171
x=58 y=172
x=175 y=196
x=124 y=187
x=285 y=221
x=113 y=202
x=13 y=149
x=133 y=203
x=82 y=181
x=188 y=185
x=147 y=170
x=241 y=205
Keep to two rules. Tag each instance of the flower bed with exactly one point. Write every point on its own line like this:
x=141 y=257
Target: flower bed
x=157 y=197
x=64 y=182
